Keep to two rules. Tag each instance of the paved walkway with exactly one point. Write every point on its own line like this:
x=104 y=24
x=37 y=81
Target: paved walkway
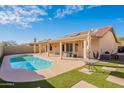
x=59 y=67
x=116 y=80
x=109 y=68
x=121 y=65
x=83 y=84
x=86 y=71
x=104 y=62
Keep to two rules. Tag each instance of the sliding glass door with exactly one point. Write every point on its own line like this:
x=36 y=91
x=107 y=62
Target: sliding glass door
x=69 y=47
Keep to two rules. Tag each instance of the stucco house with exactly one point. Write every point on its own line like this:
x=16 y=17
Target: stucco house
x=75 y=45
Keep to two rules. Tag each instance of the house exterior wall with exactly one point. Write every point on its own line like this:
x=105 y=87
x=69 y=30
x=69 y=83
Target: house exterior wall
x=55 y=48
x=78 y=48
x=108 y=43
x=94 y=47
x=43 y=47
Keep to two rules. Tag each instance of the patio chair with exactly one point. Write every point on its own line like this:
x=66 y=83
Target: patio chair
x=114 y=56
x=74 y=55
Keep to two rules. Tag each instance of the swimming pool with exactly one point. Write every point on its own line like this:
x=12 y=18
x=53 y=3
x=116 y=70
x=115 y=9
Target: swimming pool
x=29 y=62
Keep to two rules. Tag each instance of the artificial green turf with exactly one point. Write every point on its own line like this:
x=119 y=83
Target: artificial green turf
x=97 y=78
x=68 y=79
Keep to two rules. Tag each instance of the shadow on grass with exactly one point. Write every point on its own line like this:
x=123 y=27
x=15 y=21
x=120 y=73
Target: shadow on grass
x=35 y=84
x=110 y=66
x=112 y=61
x=117 y=74
x=1 y=59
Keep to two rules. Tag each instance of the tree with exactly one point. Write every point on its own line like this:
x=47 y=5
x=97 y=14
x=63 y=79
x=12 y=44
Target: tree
x=8 y=43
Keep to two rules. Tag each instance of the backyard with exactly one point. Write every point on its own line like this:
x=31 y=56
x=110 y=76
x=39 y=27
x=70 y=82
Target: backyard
x=68 y=79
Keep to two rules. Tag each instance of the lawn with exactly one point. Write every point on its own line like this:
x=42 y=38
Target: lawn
x=68 y=79
x=97 y=78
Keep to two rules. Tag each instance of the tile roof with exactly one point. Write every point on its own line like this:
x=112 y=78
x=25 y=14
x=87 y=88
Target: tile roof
x=102 y=31
x=99 y=32
x=96 y=32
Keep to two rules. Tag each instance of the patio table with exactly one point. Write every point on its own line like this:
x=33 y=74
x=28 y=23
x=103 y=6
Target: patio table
x=91 y=62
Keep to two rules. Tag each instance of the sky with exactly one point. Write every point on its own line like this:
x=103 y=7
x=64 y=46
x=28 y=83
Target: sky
x=23 y=23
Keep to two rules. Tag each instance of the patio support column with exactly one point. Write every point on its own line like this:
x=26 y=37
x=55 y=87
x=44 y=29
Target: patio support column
x=35 y=48
x=85 y=49
x=60 y=50
x=34 y=45
x=40 y=48
x=48 y=49
x=73 y=47
x=45 y=47
x=65 y=47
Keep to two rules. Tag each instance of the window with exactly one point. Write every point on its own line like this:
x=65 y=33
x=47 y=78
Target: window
x=69 y=47
x=63 y=48
x=121 y=49
x=50 y=47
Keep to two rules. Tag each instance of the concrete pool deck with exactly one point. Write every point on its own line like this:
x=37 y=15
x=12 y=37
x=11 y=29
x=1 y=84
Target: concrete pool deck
x=59 y=66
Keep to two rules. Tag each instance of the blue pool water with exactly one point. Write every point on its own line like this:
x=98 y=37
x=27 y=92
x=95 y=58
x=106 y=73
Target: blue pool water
x=29 y=62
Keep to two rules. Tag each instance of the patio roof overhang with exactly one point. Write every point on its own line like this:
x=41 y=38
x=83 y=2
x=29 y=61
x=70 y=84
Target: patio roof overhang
x=64 y=40
x=71 y=39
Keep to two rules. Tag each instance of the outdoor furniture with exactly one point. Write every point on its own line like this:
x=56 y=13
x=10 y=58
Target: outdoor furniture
x=91 y=63
x=109 y=57
x=105 y=56
x=69 y=54
x=65 y=54
x=114 y=56
x=121 y=57
x=74 y=55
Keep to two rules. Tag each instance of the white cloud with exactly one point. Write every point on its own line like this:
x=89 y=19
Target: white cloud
x=120 y=20
x=50 y=19
x=20 y=15
x=47 y=7
x=68 y=10
x=25 y=15
x=93 y=6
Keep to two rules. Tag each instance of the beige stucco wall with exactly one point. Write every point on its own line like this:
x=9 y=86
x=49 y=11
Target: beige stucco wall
x=80 y=48
x=18 y=49
x=55 y=48
x=108 y=43
x=43 y=47
x=94 y=47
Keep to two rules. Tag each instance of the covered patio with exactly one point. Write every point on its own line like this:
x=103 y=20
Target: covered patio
x=75 y=47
